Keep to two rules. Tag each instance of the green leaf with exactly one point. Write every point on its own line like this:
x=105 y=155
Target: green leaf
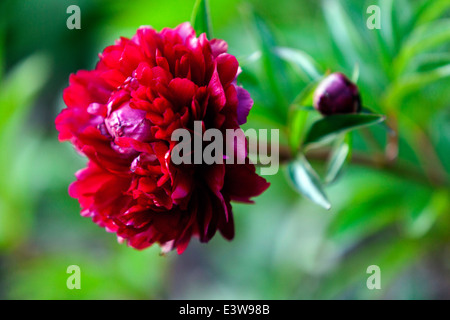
x=298 y=115
x=430 y=61
x=297 y=123
x=265 y=115
x=305 y=63
x=344 y=32
x=431 y=10
x=440 y=135
x=333 y=125
x=414 y=82
x=305 y=98
x=250 y=58
x=421 y=221
x=355 y=73
x=386 y=31
x=2 y=49
x=14 y=96
x=340 y=155
x=274 y=68
x=201 y=18
x=424 y=38
x=15 y=195
x=307 y=182
x=359 y=219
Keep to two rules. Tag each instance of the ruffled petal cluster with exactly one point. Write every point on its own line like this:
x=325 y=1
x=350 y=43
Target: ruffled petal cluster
x=121 y=116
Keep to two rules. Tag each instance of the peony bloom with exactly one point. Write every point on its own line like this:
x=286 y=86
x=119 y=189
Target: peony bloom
x=121 y=116
x=336 y=94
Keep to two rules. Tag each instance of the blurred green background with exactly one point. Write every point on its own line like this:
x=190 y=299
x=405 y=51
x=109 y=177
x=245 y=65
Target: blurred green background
x=394 y=214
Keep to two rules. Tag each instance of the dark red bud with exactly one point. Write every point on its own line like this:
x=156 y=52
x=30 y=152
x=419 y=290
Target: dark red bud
x=128 y=122
x=336 y=94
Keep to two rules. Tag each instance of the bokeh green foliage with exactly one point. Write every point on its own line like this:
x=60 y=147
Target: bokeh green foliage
x=394 y=214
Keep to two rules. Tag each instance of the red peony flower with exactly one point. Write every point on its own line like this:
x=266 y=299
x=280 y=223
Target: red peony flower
x=121 y=116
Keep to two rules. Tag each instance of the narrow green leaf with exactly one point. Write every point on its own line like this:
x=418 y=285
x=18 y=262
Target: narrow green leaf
x=430 y=61
x=201 y=18
x=340 y=155
x=266 y=115
x=345 y=34
x=355 y=73
x=3 y=23
x=297 y=122
x=330 y=126
x=414 y=82
x=421 y=221
x=387 y=32
x=424 y=38
x=306 y=108
x=366 y=110
x=359 y=219
x=305 y=97
x=2 y=49
x=431 y=10
x=14 y=96
x=440 y=135
x=274 y=68
x=249 y=59
x=298 y=115
x=306 y=64
x=307 y=182
x=385 y=54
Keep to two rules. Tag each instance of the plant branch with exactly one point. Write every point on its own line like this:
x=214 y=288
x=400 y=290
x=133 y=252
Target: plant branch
x=399 y=169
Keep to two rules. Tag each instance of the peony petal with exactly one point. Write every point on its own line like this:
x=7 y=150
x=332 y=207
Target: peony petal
x=186 y=32
x=183 y=90
x=217 y=94
x=244 y=106
x=242 y=182
x=218 y=46
x=227 y=67
x=226 y=226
